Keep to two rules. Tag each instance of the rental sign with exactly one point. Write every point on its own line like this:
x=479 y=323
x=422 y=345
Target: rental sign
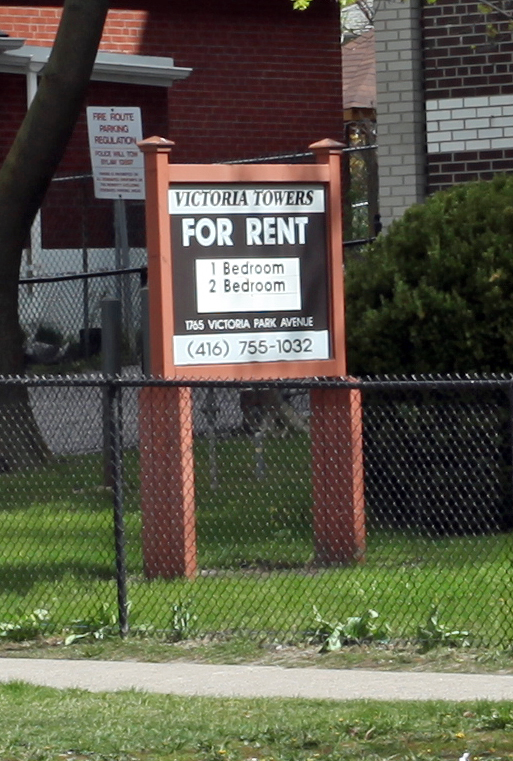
x=250 y=273
x=245 y=271
x=245 y=283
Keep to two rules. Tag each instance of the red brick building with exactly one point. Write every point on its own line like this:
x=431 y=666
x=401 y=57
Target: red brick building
x=224 y=79
x=468 y=83
x=263 y=78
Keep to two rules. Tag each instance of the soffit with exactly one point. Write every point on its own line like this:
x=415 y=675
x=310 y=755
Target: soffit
x=108 y=67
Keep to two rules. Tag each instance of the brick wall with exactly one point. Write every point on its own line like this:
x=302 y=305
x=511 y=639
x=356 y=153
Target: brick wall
x=13 y=91
x=266 y=79
x=447 y=169
x=468 y=79
x=400 y=108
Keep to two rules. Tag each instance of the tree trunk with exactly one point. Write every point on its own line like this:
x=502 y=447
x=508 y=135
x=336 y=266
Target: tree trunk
x=24 y=178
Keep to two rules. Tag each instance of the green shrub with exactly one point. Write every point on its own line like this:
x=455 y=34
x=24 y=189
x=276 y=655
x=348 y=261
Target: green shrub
x=435 y=294
x=438 y=462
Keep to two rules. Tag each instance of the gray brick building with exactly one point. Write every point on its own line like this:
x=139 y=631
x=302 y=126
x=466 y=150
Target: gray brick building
x=444 y=97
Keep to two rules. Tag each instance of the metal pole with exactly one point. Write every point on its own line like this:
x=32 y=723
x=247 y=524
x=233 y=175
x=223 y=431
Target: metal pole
x=35 y=246
x=111 y=336
x=145 y=331
x=211 y=409
x=116 y=452
x=117 y=241
x=510 y=401
x=111 y=366
x=259 y=439
x=113 y=444
x=85 y=282
x=126 y=292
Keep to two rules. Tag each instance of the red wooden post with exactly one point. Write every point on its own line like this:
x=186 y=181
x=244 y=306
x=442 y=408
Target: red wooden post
x=336 y=415
x=167 y=482
x=337 y=475
x=167 y=467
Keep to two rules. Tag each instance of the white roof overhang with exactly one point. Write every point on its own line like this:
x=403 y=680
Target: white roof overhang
x=10 y=43
x=108 y=67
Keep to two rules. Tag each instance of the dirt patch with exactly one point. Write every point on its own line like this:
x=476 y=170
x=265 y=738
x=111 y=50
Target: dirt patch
x=385 y=657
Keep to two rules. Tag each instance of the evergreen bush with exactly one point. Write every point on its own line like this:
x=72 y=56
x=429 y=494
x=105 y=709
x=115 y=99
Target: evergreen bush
x=435 y=293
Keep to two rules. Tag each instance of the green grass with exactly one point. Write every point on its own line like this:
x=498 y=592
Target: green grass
x=47 y=725
x=255 y=552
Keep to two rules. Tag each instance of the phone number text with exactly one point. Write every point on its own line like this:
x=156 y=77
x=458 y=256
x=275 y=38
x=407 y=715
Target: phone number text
x=237 y=348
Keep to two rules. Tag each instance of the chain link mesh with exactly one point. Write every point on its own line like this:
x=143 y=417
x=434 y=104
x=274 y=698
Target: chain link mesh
x=77 y=245
x=93 y=470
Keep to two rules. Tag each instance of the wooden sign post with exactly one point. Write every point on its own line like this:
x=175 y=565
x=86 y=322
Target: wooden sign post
x=245 y=279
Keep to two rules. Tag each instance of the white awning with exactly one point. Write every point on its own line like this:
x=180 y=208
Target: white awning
x=10 y=43
x=108 y=67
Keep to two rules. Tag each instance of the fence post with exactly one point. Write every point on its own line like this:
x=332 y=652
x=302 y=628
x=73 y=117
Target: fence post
x=211 y=409
x=165 y=413
x=510 y=411
x=336 y=426
x=111 y=365
x=167 y=482
x=337 y=475
x=113 y=444
x=114 y=408
x=85 y=283
x=145 y=330
x=123 y=262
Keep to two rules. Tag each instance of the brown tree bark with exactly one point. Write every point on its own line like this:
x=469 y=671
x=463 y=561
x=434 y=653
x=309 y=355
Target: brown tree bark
x=24 y=178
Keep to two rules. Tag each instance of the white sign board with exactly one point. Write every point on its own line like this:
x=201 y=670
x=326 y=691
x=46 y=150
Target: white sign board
x=248 y=285
x=117 y=162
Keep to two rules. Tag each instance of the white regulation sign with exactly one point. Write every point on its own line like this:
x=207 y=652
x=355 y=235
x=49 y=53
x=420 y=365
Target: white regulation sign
x=117 y=162
x=234 y=348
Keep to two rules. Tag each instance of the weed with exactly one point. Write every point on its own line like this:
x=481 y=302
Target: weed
x=354 y=630
x=28 y=627
x=497 y=719
x=435 y=634
x=180 y=626
x=104 y=624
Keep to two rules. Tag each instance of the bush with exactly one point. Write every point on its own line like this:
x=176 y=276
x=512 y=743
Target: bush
x=435 y=294
x=438 y=462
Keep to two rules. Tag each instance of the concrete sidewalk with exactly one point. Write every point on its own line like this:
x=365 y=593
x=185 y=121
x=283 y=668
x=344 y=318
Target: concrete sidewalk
x=179 y=678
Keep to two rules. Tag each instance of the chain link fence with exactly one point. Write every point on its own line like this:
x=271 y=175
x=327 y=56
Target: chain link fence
x=81 y=250
x=76 y=511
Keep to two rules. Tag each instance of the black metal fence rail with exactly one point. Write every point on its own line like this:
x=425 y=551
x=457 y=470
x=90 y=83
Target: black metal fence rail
x=61 y=314
x=142 y=271
x=297 y=157
x=438 y=485
x=365 y=383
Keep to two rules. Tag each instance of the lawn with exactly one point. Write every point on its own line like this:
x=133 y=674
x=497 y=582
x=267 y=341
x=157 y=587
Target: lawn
x=255 y=553
x=49 y=725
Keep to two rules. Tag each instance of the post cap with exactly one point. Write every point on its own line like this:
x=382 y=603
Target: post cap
x=156 y=144
x=327 y=146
